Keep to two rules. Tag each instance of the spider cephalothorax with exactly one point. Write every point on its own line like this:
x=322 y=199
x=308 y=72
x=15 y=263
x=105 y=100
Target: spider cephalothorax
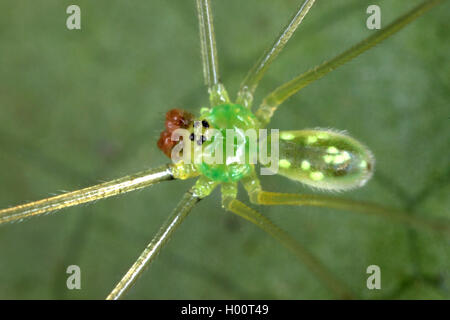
x=230 y=125
x=212 y=133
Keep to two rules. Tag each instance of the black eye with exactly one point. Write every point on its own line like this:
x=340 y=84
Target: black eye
x=205 y=124
x=192 y=137
x=201 y=140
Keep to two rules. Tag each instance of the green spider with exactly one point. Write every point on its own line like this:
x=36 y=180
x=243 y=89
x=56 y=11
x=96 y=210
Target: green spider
x=323 y=159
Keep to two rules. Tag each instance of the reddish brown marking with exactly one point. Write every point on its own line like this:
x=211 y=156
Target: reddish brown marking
x=175 y=119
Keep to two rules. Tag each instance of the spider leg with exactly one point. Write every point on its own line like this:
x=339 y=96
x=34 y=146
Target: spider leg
x=147 y=256
x=284 y=238
x=258 y=196
x=217 y=92
x=201 y=189
x=275 y=198
x=250 y=83
x=280 y=94
x=104 y=190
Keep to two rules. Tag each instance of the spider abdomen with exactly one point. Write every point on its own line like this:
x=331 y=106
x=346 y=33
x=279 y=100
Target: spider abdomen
x=324 y=159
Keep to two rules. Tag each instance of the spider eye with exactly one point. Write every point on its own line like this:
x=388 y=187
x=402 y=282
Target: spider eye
x=192 y=137
x=205 y=124
x=201 y=140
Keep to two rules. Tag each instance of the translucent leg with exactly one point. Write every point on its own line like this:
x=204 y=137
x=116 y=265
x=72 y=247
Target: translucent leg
x=274 y=198
x=181 y=211
x=104 y=190
x=201 y=189
x=304 y=255
x=279 y=95
x=248 y=86
x=217 y=92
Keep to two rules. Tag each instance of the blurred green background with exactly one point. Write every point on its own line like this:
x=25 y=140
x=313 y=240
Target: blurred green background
x=79 y=107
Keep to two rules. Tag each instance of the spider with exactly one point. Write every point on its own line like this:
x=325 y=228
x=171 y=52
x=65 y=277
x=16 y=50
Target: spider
x=290 y=168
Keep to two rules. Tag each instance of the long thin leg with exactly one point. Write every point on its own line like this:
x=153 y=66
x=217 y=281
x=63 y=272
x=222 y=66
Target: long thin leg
x=275 y=198
x=303 y=254
x=216 y=90
x=179 y=214
x=201 y=189
x=258 y=196
x=279 y=95
x=104 y=190
x=250 y=83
